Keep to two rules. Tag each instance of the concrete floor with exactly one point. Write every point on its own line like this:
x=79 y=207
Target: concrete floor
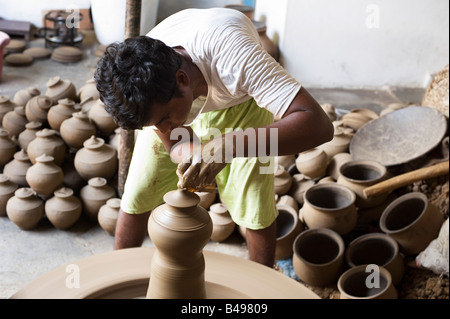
x=27 y=255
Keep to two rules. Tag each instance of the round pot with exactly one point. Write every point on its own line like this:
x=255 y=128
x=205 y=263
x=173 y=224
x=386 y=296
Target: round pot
x=300 y=184
x=282 y=181
x=108 y=214
x=23 y=96
x=101 y=119
x=7 y=147
x=287 y=200
x=17 y=169
x=25 y=209
x=223 y=225
x=64 y=209
x=288 y=228
x=94 y=195
x=412 y=221
x=318 y=258
x=334 y=166
x=7 y=189
x=330 y=206
x=47 y=142
x=312 y=163
x=206 y=198
x=339 y=144
x=60 y=112
x=44 y=177
x=89 y=89
x=58 y=89
x=14 y=121
x=77 y=129
x=29 y=134
x=37 y=108
x=6 y=105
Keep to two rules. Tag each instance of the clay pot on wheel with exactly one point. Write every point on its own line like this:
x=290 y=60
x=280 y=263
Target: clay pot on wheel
x=76 y=130
x=44 y=177
x=312 y=163
x=108 y=214
x=223 y=225
x=413 y=221
x=7 y=189
x=58 y=89
x=17 y=169
x=288 y=228
x=318 y=256
x=47 y=142
x=64 y=209
x=7 y=147
x=94 y=195
x=25 y=209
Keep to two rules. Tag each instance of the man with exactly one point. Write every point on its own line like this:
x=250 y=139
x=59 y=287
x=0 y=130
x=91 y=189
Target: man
x=204 y=70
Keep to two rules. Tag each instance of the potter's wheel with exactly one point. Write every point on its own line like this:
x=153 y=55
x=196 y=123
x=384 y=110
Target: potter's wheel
x=125 y=274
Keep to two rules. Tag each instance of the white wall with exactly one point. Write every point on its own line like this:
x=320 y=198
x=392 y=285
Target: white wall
x=359 y=43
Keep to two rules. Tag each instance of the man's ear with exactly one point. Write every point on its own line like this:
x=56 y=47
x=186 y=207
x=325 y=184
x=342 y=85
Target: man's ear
x=182 y=78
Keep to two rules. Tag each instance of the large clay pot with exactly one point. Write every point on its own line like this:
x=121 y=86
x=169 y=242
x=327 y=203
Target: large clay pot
x=58 y=89
x=76 y=130
x=7 y=147
x=413 y=221
x=17 y=169
x=179 y=229
x=359 y=175
x=223 y=225
x=288 y=228
x=60 y=112
x=94 y=195
x=6 y=105
x=318 y=258
x=7 y=189
x=47 y=142
x=330 y=206
x=25 y=209
x=37 y=108
x=282 y=181
x=89 y=89
x=376 y=249
x=312 y=163
x=64 y=209
x=300 y=184
x=101 y=119
x=352 y=284
x=334 y=166
x=339 y=144
x=23 y=96
x=14 y=121
x=108 y=214
x=96 y=159
x=29 y=134
x=44 y=177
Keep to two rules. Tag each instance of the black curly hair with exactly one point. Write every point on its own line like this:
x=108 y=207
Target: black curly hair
x=134 y=74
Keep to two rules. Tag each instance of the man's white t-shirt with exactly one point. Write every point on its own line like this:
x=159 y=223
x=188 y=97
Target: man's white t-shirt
x=225 y=46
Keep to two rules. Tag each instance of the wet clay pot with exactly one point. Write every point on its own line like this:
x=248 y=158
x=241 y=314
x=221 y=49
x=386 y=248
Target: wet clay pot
x=6 y=105
x=94 y=195
x=60 y=112
x=64 y=209
x=352 y=284
x=312 y=163
x=223 y=225
x=7 y=147
x=29 y=134
x=300 y=184
x=37 y=108
x=318 y=258
x=58 y=89
x=108 y=214
x=44 y=177
x=96 y=159
x=288 y=228
x=359 y=175
x=179 y=229
x=102 y=120
x=330 y=206
x=23 y=96
x=47 y=142
x=282 y=180
x=17 y=169
x=7 y=189
x=14 y=121
x=413 y=221
x=334 y=166
x=25 y=209
x=76 y=130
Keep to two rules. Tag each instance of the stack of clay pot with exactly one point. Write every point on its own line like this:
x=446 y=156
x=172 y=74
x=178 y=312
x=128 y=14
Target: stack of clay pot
x=51 y=148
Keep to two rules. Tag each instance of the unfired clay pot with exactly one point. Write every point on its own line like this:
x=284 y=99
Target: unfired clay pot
x=44 y=177
x=285 y=161
x=76 y=130
x=25 y=209
x=334 y=166
x=223 y=225
x=288 y=228
x=287 y=200
x=6 y=105
x=108 y=214
x=89 y=89
x=14 y=121
x=318 y=258
x=102 y=120
x=282 y=180
x=7 y=147
x=357 y=118
x=37 y=108
x=64 y=209
x=17 y=169
x=7 y=189
x=359 y=175
x=58 y=89
x=95 y=195
x=352 y=284
x=207 y=199
x=300 y=184
x=413 y=221
x=23 y=96
x=60 y=112
x=179 y=229
x=47 y=142
x=339 y=144
x=87 y=103
x=312 y=163
x=29 y=134
x=96 y=159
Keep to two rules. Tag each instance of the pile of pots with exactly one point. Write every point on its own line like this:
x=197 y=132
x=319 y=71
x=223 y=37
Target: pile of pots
x=58 y=157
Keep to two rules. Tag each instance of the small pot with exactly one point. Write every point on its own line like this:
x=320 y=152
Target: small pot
x=300 y=184
x=312 y=163
x=25 y=208
x=223 y=225
x=64 y=209
x=282 y=181
x=108 y=214
x=288 y=228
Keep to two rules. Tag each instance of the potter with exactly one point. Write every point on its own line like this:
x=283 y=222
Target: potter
x=193 y=309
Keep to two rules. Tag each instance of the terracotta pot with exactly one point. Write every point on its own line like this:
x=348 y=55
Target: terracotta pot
x=312 y=163
x=44 y=177
x=413 y=221
x=287 y=200
x=60 y=112
x=76 y=130
x=64 y=209
x=285 y=161
x=318 y=258
x=29 y=134
x=334 y=166
x=376 y=249
x=7 y=147
x=17 y=169
x=288 y=228
x=206 y=199
x=87 y=103
x=72 y=179
x=6 y=105
x=14 y=121
x=330 y=206
x=108 y=214
x=339 y=144
x=89 y=89
x=94 y=195
x=58 y=89
x=300 y=184
x=101 y=119
x=23 y=96
x=358 y=175
x=7 y=189
x=37 y=108
x=282 y=181
x=47 y=142
x=352 y=284
x=357 y=118
x=25 y=209
x=96 y=159
x=223 y=225
x=179 y=229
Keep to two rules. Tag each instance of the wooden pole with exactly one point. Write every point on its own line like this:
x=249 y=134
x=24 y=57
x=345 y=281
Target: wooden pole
x=132 y=29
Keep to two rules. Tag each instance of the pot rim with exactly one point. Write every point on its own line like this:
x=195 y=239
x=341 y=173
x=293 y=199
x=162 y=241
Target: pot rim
x=294 y=214
x=351 y=194
x=377 y=165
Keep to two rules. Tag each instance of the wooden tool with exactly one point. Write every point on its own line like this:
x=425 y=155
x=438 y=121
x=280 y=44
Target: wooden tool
x=391 y=184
